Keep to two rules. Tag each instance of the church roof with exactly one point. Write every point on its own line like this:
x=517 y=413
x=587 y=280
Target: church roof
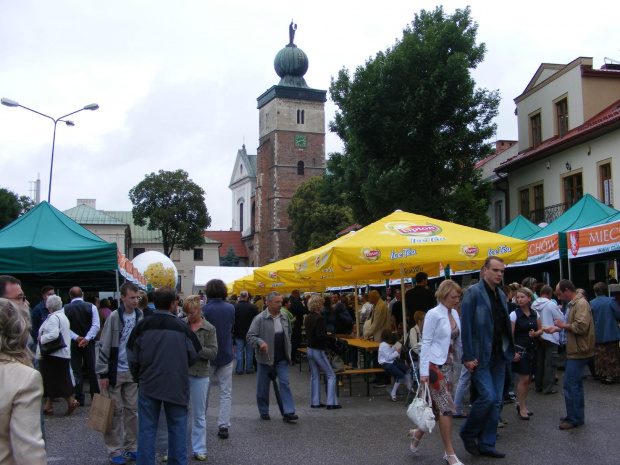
x=83 y=214
x=249 y=163
x=228 y=239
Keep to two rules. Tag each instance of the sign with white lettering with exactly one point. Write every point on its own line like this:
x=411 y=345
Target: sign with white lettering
x=594 y=240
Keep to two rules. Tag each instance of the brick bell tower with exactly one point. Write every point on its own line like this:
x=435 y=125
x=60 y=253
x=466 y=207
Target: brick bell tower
x=291 y=149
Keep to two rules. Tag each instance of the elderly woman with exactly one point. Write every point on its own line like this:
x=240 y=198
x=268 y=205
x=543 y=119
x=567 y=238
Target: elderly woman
x=21 y=441
x=199 y=373
x=441 y=342
x=606 y=350
x=55 y=367
x=318 y=344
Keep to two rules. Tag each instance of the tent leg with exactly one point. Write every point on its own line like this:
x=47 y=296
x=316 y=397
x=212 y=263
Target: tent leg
x=560 y=263
x=117 y=285
x=357 y=313
x=402 y=299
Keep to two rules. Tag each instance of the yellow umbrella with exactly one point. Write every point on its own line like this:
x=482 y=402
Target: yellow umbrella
x=411 y=242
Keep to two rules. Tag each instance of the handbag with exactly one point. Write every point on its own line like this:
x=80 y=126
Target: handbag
x=52 y=346
x=420 y=410
x=338 y=346
x=101 y=413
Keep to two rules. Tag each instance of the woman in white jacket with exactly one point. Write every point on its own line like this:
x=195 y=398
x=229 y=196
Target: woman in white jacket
x=441 y=347
x=55 y=367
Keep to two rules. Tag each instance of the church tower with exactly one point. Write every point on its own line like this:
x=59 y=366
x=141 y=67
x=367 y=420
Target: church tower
x=291 y=149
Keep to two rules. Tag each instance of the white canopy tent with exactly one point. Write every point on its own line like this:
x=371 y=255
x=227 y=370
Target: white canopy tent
x=203 y=274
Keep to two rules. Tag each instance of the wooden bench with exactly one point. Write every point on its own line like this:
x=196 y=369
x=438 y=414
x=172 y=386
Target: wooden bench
x=361 y=371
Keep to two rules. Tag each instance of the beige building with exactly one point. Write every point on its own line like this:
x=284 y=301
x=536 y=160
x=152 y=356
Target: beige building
x=132 y=240
x=569 y=141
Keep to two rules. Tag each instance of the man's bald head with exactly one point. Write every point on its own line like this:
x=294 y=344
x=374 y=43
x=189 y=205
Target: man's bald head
x=75 y=292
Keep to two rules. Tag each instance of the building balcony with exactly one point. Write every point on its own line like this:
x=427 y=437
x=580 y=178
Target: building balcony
x=548 y=214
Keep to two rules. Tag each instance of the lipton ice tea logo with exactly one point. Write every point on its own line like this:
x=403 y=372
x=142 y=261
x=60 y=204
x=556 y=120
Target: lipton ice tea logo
x=412 y=229
x=273 y=274
x=371 y=254
x=346 y=268
x=469 y=250
x=573 y=237
x=388 y=273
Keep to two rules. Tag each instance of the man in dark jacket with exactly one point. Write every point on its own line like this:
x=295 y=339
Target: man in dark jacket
x=245 y=311
x=84 y=324
x=298 y=310
x=161 y=349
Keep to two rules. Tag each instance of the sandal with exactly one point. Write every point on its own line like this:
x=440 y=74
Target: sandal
x=48 y=411
x=446 y=457
x=415 y=441
x=200 y=457
x=72 y=406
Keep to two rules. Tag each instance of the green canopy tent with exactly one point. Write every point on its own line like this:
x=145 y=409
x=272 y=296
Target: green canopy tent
x=520 y=228
x=44 y=246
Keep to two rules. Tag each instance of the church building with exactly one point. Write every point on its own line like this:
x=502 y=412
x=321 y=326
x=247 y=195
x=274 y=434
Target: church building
x=291 y=150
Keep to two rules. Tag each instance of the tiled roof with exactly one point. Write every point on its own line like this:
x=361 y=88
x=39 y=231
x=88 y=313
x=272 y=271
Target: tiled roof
x=602 y=122
x=353 y=227
x=139 y=234
x=83 y=214
x=228 y=238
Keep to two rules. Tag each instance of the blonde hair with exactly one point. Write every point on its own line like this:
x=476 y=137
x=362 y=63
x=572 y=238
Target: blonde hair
x=526 y=291
x=14 y=332
x=445 y=288
x=192 y=302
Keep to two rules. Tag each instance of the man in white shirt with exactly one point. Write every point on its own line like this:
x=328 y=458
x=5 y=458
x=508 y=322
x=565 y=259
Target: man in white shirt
x=84 y=324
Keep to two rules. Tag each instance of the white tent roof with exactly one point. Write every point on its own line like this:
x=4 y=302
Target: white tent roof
x=203 y=274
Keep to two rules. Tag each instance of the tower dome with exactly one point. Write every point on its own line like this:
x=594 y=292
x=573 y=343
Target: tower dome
x=291 y=63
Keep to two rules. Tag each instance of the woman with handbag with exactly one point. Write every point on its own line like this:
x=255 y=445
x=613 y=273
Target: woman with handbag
x=55 y=354
x=441 y=346
x=21 y=440
x=318 y=342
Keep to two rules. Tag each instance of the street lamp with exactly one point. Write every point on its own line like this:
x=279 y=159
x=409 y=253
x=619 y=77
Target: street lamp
x=12 y=103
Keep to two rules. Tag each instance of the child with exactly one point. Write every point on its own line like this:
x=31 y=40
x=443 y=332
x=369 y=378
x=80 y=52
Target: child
x=388 y=359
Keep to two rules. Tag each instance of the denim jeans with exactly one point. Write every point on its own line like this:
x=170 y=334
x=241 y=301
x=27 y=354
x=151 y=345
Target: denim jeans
x=148 y=417
x=318 y=361
x=223 y=373
x=263 y=385
x=198 y=392
x=243 y=348
x=461 y=390
x=481 y=423
x=573 y=390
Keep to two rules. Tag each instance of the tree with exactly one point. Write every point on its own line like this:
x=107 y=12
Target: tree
x=316 y=213
x=172 y=203
x=413 y=124
x=12 y=206
x=230 y=259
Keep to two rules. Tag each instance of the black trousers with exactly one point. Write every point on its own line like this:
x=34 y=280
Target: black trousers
x=83 y=360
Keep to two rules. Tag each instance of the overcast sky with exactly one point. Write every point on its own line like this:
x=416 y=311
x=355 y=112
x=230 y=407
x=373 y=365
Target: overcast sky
x=177 y=82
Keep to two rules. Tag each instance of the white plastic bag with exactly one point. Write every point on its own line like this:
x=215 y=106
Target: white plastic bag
x=420 y=411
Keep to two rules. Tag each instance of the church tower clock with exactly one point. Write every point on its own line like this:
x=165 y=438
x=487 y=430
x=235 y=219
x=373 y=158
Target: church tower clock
x=291 y=149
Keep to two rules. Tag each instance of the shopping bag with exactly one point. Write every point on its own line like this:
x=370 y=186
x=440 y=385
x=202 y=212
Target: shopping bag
x=420 y=410
x=101 y=413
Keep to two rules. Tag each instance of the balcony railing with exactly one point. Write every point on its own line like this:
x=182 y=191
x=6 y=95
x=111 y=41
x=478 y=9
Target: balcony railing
x=548 y=214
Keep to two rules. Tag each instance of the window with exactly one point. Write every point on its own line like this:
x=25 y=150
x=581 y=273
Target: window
x=198 y=255
x=532 y=203
x=241 y=217
x=536 y=130
x=301 y=116
x=606 y=184
x=499 y=215
x=241 y=169
x=300 y=168
x=573 y=189
x=561 y=110
x=137 y=251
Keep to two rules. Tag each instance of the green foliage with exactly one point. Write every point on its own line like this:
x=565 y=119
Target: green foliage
x=230 y=259
x=12 y=206
x=412 y=122
x=469 y=204
x=172 y=203
x=316 y=214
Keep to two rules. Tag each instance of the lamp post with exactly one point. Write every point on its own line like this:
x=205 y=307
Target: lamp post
x=12 y=103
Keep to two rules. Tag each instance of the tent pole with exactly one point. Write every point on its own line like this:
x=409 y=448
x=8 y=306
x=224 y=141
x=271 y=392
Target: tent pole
x=357 y=313
x=117 y=286
x=570 y=275
x=402 y=300
x=560 y=262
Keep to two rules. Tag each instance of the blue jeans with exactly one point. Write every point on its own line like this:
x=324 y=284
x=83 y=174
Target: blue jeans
x=198 y=392
x=397 y=369
x=148 y=417
x=481 y=423
x=573 y=390
x=244 y=348
x=318 y=361
x=263 y=384
x=461 y=390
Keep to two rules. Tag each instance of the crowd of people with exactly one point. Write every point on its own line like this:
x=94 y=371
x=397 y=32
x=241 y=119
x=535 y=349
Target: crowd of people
x=504 y=337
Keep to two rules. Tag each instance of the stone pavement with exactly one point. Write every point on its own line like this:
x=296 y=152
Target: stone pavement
x=367 y=430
